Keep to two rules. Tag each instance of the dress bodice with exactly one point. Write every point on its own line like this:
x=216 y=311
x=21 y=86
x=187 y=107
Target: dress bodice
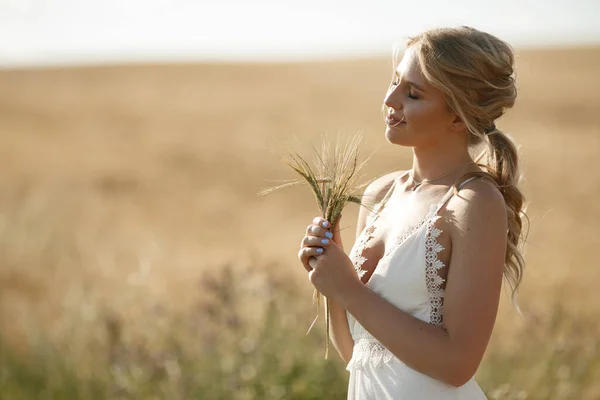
x=407 y=276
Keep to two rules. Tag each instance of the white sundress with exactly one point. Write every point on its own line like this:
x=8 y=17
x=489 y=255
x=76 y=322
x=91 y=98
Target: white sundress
x=407 y=277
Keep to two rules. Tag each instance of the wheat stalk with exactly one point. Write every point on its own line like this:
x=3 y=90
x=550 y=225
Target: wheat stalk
x=333 y=180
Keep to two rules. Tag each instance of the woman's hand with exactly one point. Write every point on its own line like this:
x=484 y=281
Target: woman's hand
x=329 y=270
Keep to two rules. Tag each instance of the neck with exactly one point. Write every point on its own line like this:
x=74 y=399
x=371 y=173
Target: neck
x=434 y=162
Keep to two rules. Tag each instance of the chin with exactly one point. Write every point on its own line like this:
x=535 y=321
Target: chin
x=397 y=136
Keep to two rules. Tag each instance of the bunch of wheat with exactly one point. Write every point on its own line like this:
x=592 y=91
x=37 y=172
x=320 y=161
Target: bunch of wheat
x=333 y=181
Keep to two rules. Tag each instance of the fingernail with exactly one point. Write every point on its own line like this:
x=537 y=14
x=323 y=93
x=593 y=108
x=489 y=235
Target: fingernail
x=319 y=250
x=329 y=234
x=325 y=241
x=325 y=224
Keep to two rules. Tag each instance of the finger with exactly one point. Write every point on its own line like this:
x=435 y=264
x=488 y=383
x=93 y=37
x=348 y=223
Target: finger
x=306 y=252
x=309 y=229
x=309 y=263
x=321 y=222
x=314 y=241
x=303 y=259
x=315 y=230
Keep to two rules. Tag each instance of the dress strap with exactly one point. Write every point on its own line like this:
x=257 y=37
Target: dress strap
x=450 y=193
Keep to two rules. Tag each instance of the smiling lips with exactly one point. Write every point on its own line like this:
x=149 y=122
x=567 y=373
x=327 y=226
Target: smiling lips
x=393 y=121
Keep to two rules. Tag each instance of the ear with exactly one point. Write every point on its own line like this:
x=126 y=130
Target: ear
x=457 y=124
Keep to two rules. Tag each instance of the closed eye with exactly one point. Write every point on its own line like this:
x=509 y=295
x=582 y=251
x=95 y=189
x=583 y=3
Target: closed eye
x=396 y=82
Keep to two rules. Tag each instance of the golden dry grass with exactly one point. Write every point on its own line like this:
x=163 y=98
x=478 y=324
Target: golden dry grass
x=122 y=187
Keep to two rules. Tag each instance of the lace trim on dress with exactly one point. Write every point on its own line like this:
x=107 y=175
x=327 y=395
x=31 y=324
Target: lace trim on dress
x=369 y=352
x=432 y=265
x=357 y=255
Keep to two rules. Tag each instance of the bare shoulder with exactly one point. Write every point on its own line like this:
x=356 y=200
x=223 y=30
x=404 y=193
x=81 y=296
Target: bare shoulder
x=478 y=206
x=373 y=194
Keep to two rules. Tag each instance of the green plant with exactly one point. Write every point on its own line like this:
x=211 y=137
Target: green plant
x=333 y=180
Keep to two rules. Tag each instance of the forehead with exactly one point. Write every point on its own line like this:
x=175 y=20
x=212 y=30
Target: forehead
x=409 y=68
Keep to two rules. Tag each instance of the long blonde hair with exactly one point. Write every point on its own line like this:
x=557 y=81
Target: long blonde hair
x=475 y=72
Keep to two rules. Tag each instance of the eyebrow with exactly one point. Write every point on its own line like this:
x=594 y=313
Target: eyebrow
x=411 y=83
x=415 y=85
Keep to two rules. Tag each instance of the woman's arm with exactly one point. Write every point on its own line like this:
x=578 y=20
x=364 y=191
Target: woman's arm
x=339 y=331
x=450 y=353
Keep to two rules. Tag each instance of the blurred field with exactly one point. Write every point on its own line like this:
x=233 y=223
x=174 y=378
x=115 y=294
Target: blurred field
x=137 y=261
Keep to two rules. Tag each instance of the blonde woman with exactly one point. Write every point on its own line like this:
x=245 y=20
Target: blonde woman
x=414 y=304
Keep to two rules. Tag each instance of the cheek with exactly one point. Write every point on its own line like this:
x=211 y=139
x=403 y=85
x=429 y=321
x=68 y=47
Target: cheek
x=422 y=113
x=417 y=110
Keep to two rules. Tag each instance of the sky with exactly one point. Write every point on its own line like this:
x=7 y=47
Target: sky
x=69 y=32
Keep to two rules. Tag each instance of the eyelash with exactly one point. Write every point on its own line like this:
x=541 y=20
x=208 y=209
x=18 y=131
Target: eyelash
x=410 y=96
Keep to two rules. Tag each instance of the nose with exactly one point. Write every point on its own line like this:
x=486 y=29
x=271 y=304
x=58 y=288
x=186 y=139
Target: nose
x=392 y=98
